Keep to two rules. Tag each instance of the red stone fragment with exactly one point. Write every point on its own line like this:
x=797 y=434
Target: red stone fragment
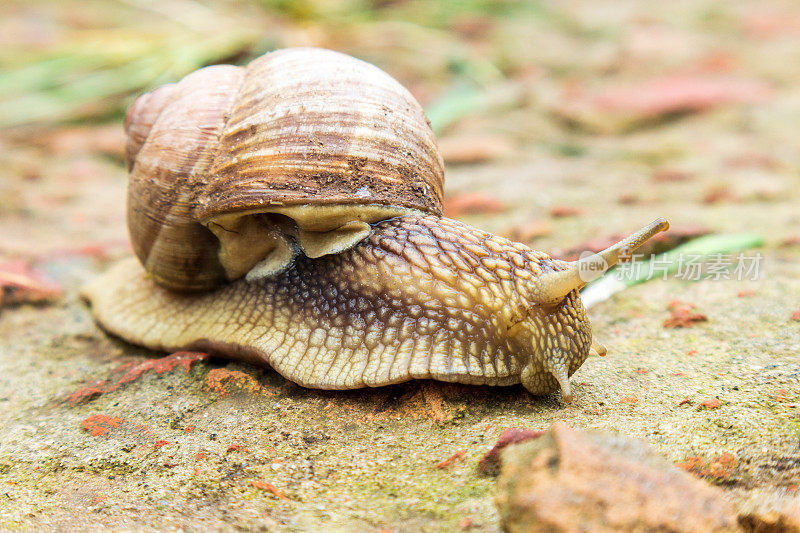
x=711 y=404
x=590 y=481
x=718 y=468
x=84 y=394
x=490 y=463
x=132 y=371
x=162 y=365
x=224 y=381
x=682 y=315
x=98 y=425
x=269 y=487
x=452 y=459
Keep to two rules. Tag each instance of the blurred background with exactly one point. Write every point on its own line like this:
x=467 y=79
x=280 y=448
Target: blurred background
x=552 y=107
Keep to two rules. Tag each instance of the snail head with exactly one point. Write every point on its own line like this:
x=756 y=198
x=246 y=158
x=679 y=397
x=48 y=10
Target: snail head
x=554 y=324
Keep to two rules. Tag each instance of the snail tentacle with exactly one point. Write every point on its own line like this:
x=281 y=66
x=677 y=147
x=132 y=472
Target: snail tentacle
x=552 y=287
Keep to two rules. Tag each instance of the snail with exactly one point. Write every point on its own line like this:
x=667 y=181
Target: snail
x=347 y=292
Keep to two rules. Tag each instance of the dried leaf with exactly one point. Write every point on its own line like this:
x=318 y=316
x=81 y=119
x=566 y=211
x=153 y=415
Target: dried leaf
x=529 y=231
x=673 y=94
x=21 y=284
x=464 y=150
x=623 y=108
x=471 y=203
x=560 y=211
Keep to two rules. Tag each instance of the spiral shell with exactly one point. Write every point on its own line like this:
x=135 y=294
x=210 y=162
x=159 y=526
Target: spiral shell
x=233 y=170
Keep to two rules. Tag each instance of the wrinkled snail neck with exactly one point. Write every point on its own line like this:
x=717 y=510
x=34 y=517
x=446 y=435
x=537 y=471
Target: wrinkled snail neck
x=553 y=287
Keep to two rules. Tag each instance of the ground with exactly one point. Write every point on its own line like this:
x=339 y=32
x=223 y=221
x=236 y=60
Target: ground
x=94 y=433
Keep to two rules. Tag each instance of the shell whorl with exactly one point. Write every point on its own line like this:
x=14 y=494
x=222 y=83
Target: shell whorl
x=140 y=118
x=422 y=297
x=230 y=166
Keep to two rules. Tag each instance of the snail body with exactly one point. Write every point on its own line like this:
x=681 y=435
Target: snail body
x=421 y=297
x=289 y=213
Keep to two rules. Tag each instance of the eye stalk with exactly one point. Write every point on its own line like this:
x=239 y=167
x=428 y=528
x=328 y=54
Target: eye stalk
x=553 y=287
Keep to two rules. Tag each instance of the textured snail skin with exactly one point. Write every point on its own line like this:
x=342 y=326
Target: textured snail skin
x=422 y=297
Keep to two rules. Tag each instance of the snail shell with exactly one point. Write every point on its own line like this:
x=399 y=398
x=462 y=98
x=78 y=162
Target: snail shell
x=421 y=297
x=234 y=170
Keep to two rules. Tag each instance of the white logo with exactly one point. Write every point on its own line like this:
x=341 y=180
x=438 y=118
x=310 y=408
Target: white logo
x=591 y=266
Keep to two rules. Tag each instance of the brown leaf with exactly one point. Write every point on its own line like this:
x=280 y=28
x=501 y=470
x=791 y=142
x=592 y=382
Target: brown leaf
x=718 y=194
x=470 y=149
x=104 y=139
x=529 y=231
x=627 y=198
x=677 y=93
x=470 y=203
x=623 y=108
x=560 y=211
x=666 y=175
x=20 y=284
